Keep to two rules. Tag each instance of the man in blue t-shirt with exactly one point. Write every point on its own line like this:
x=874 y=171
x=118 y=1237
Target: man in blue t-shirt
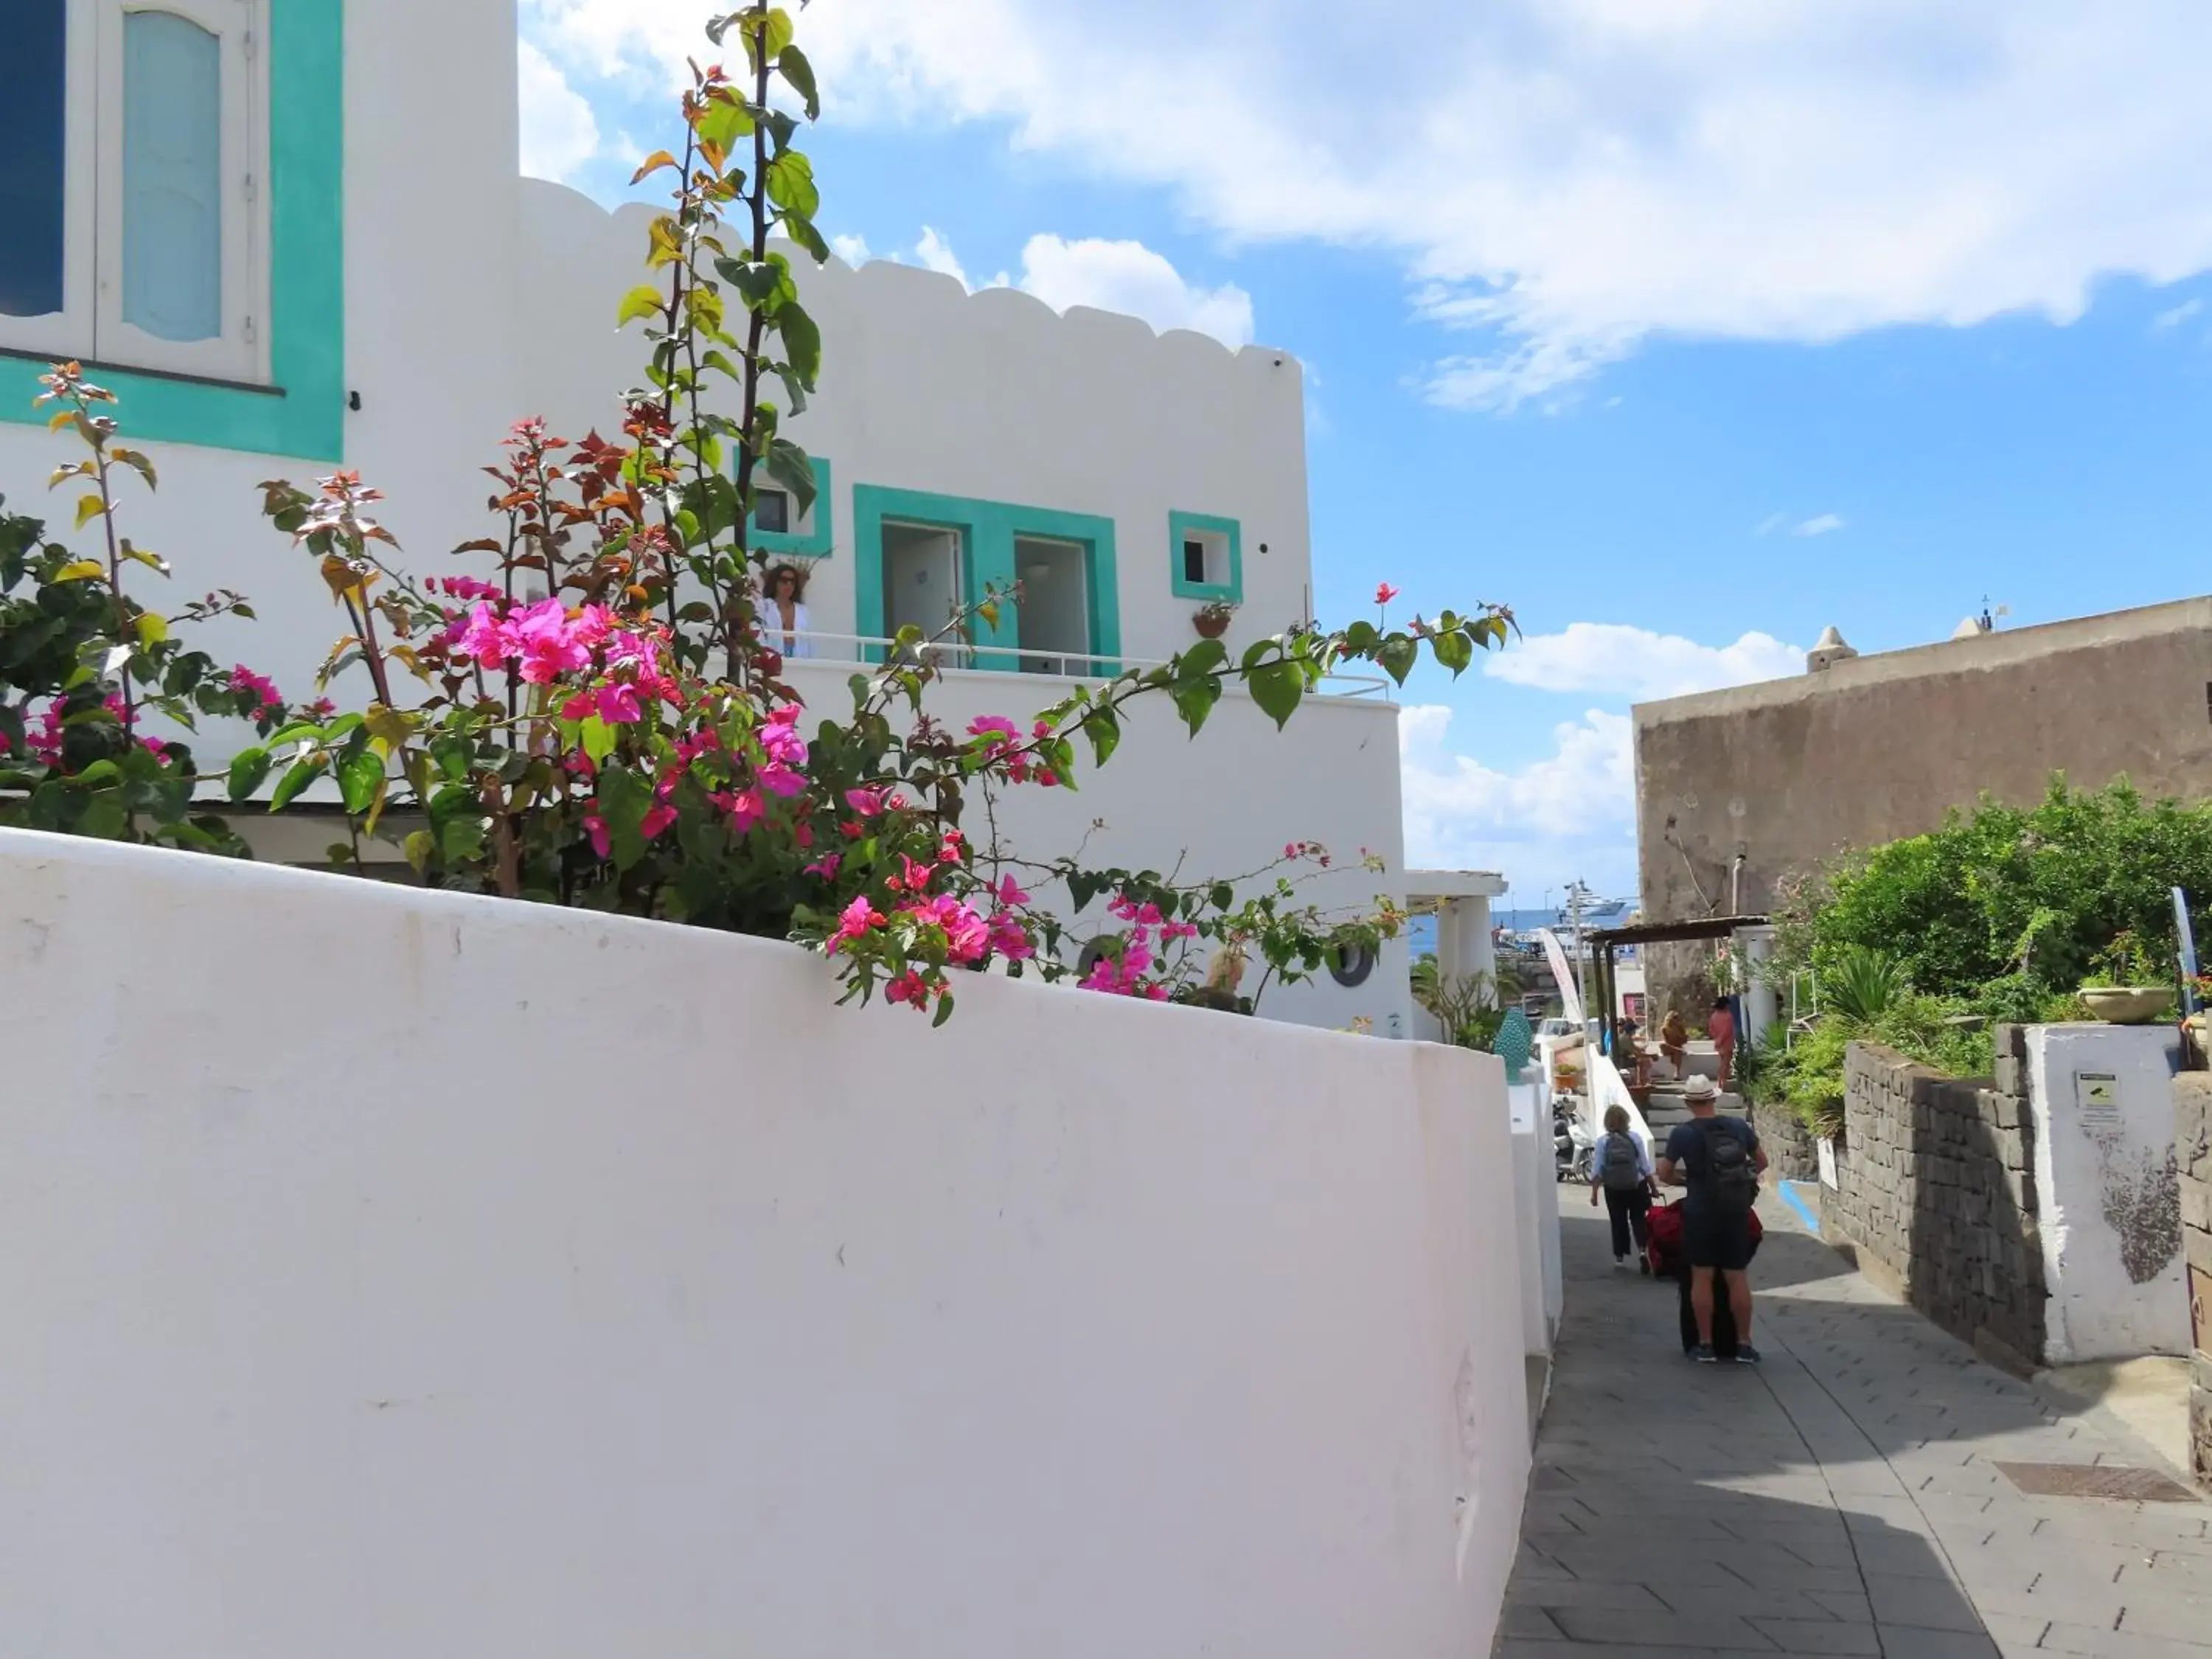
x=1719 y=1160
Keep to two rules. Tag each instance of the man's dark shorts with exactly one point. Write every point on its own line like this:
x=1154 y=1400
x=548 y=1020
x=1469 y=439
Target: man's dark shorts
x=1722 y=1242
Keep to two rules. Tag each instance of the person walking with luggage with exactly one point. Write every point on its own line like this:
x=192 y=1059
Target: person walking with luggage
x=1623 y=1171
x=1718 y=1160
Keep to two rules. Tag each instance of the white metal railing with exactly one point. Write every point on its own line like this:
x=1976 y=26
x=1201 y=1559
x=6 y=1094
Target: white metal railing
x=959 y=656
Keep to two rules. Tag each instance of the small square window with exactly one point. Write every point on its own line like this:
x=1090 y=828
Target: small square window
x=1206 y=558
x=772 y=512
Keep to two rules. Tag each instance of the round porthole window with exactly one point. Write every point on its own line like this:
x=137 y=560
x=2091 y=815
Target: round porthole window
x=1349 y=965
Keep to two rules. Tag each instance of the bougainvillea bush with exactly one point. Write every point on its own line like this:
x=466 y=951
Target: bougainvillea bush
x=584 y=711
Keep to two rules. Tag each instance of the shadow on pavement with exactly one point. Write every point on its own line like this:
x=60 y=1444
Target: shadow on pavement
x=1844 y=1499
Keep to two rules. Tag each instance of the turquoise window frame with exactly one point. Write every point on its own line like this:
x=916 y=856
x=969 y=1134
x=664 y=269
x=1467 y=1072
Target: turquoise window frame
x=820 y=541
x=301 y=415
x=1229 y=592
x=988 y=531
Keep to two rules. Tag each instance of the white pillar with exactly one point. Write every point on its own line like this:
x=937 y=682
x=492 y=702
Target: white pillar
x=1482 y=948
x=1758 y=999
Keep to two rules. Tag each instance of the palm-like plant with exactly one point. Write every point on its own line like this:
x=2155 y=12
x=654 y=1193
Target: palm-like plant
x=1864 y=984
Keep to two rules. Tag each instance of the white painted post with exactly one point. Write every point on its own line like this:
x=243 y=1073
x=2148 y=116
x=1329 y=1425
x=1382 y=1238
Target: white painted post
x=1760 y=1005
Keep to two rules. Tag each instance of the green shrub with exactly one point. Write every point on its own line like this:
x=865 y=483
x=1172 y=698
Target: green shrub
x=1864 y=983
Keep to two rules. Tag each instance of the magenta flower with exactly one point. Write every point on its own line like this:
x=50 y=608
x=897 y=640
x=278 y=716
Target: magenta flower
x=657 y=819
x=827 y=867
x=857 y=918
x=1384 y=594
x=781 y=782
x=908 y=986
x=1009 y=894
x=868 y=803
x=596 y=828
x=745 y=808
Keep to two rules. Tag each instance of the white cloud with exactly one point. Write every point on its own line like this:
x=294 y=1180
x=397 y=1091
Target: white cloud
x=1823 y=525
x=1570 y=177
x=1123 y=276
x=2178 y=315
x=1572 y=813
x=559 y=133
x=1616 y=660
x=934 y=254
x=1129 y=276
x=853 y=250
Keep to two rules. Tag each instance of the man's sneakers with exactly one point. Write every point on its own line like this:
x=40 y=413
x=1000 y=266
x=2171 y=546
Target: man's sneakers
x=1745 y=1355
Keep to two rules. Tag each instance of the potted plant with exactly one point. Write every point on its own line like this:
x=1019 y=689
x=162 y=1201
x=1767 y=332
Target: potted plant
x=1211 y=619
x=2123 y=987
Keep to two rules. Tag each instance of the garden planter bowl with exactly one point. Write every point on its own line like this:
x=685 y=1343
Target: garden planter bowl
x=2128 y=1004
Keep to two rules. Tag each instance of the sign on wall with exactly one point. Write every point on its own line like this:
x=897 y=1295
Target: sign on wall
x=2097 y=1099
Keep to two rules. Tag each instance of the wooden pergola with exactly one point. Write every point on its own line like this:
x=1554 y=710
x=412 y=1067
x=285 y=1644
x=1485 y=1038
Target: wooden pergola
x=1605 y=941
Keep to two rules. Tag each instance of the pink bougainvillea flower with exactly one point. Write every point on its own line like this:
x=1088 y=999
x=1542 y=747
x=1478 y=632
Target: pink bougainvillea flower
x=826 y=866
x=1008 y=893
x=244 y=681
x=909 y=988
x=596 y=828
x=745 y=809
x=984 y=725
x=1384 y=594
x=580 y=708
x=657 y=819
x=781 y=782
x=868 y=803
x=857 y=918
x=484 y=639
x=618 y=705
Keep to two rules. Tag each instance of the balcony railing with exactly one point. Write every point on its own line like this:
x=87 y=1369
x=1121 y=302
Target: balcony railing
x=958 y=657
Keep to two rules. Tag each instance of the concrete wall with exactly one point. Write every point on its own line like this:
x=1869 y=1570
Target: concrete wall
x=392 y=1272
x=1536 y=1218
x=1936 y=1188
x=2192 y=1105
x=2111 y=1204
x=1789 y=1144
x=1879 y=747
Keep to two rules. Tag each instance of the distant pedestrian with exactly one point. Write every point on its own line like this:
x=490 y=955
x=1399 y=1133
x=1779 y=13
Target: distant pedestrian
x=1674 y=1040
x=1718 y=1160
x=1623 y=1171
x=1720 y=1028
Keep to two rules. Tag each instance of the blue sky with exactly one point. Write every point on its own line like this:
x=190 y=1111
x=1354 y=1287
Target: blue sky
x=1687 y=327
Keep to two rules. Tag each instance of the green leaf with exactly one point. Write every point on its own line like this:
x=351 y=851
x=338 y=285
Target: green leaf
x=598 y=739
x=789 y=465
x=625 y=799
x=80 y=570
x=802 y=231
x=1103 y=727
x=418 y=848
x=138 y=462
x=89 y=507
x=792 y=64
x=944 y=1010
x=248 y=771
x=1454 y=650
x=644 y=301
x=294 y=780
x=1194 y=699
x=726 y=122
x=152 y=629
x=802 y=342
x=359 y=774
x=1398 y=655
x=155 y=561
x=791 y=185
x=1277 y=687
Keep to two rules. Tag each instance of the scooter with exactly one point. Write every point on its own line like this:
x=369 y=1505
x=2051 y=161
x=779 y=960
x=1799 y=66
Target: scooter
x=1574 y=1148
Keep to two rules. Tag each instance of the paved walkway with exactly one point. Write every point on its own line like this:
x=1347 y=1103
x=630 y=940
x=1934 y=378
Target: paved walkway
x=1845 y=1499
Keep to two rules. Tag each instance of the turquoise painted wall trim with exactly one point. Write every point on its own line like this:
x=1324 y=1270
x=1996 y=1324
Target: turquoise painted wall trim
x=819 y=543
x=305 y=418
x=1229 y=592
x=988 y=532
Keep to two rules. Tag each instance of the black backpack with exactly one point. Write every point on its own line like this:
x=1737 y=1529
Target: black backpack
x=1731 y=1181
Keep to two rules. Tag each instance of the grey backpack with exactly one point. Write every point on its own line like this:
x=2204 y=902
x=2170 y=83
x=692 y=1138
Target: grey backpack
x=1618 y=1168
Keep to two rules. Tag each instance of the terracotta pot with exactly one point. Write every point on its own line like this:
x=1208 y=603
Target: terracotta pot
x=1209 y=628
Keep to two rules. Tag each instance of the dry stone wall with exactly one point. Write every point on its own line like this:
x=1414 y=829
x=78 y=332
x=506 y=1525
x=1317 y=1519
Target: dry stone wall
x=1789 y=1143
x=2192 y=1110
x=1936 y=1184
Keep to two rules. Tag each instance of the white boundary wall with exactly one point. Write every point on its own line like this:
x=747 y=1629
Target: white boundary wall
x=2107 y=1191
x=399 y=1272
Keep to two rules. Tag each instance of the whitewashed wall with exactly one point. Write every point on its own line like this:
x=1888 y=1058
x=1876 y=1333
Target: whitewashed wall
x=2107 y=1192
x=991 y=396
x=1217 y=805
x=1536 y=1215
x=398 y=1273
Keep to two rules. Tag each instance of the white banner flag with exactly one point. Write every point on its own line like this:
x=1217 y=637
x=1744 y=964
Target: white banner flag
x=1571 y=997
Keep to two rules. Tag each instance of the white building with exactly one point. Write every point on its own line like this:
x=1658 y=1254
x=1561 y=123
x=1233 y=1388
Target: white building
x=317 y=252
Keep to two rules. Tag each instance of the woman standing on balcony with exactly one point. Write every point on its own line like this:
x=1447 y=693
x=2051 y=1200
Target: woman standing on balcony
x=784 y=624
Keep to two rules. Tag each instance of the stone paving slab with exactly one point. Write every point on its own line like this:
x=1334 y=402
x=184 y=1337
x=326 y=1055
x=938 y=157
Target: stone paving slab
x=1843 y=1500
